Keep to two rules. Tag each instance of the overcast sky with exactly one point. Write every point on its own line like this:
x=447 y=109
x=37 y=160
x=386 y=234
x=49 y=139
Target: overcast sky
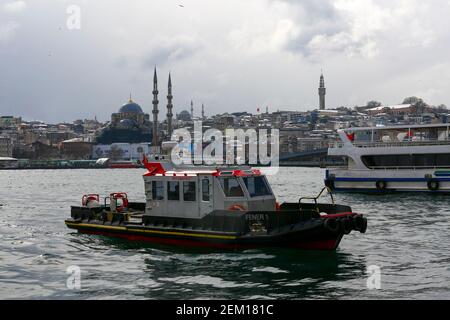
x=231 y=55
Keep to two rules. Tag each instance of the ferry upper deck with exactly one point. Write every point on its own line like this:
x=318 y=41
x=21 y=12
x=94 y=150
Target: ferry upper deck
x=392 y=136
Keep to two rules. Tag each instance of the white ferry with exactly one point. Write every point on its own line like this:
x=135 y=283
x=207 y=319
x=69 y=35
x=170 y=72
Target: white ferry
x=392 y=159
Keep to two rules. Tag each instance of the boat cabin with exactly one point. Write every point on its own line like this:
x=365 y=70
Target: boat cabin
x=194 y=192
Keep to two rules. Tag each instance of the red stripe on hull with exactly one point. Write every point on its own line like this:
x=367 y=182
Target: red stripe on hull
x=123 y=166
x=339 y=215
x=330 y=244
x=158 y=240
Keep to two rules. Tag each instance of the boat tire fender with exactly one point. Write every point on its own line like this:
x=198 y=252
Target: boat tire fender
x=381 y=185
x=332 y=225
x=360 y=224
x=347 y=225
x=433 y=185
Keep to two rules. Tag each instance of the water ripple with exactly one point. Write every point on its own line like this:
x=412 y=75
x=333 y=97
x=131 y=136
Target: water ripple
x=407 y=237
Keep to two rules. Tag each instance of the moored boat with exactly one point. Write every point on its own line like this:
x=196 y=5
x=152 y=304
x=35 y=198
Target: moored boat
x=226 y=208
x=414 y=158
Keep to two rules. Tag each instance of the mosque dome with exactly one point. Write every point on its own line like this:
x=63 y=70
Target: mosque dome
x=130 y=107
x=184 y=116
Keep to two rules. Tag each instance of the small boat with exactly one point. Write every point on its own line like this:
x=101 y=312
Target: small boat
x=124 y=165
x=407 y=158
x=213 y=207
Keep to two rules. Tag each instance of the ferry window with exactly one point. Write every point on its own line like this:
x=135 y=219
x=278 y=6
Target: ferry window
x=231 y=187
x=407 y=161
x=205 y=190
x=173 y=190
x=157 y=190
x=189 y=191
x=257 y=186
x=443 y=160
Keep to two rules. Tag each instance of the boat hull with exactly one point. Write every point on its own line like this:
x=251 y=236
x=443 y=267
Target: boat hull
x=388 y=181
x=329 y=243
x=317 y=240
x=293 y=226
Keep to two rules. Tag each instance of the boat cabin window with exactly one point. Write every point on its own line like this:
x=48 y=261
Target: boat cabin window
x=407 y=161
x=257 y=186
x=157 y=190
x=231 y=187
x=173 y=190
x=205 y=190
x=189 y=191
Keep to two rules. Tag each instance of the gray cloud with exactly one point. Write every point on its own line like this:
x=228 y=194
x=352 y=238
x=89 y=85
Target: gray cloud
x=233 y=56
x=171 y=52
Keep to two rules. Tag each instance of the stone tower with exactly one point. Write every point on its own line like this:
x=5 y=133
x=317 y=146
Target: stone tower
x=203 y=111
x=192 y=110
x=322 y=92
x=155 y=111
x=169 y=108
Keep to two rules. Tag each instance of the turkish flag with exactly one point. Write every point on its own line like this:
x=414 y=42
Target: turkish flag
x=351 y=136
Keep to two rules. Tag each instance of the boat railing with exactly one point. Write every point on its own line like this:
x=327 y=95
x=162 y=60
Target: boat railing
x=315 y=199
x=381 y=144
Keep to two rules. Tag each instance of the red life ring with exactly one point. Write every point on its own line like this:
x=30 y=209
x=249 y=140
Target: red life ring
x=89 y=197
x=120 y=195
x=236 y=207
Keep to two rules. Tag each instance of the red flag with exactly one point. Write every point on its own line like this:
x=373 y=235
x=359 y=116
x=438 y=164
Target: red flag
x=351 y=136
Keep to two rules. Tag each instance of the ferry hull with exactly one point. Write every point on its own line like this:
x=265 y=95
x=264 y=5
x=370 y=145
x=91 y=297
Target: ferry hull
x=385 y=181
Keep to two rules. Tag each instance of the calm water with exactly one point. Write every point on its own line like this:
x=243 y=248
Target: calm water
x=408 y=237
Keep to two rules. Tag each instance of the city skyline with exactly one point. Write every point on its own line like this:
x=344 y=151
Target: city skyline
x=269 y=53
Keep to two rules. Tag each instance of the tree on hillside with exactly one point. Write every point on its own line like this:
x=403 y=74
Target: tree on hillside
x=418 y=104
x=373 y=104
x=442 y=108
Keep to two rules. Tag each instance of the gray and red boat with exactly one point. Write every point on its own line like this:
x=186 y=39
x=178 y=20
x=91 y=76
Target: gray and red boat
x=222 y=208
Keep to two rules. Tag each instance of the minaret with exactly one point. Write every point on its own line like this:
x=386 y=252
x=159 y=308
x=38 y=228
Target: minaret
x=322 y=92
x=203 y=112
x=155 y=111
x=169 y=108
x=192 y=110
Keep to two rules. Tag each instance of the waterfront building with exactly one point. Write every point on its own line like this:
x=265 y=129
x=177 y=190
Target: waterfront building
x=121 y=151
x=395 y=110
x=9 y=122
x=6 y=147
x=76 y=148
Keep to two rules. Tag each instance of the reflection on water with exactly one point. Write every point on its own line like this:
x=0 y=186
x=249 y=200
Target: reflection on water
x=407 y=237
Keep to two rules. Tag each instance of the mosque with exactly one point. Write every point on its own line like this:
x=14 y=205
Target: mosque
x=131 y=132
x=129 y=125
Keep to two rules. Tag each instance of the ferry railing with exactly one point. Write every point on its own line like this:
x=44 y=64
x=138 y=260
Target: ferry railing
x=413 y=168
x=380 y=144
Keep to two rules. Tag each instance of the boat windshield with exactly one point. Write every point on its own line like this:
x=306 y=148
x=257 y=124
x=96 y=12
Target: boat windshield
x=231 y=187
x=257 y=186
